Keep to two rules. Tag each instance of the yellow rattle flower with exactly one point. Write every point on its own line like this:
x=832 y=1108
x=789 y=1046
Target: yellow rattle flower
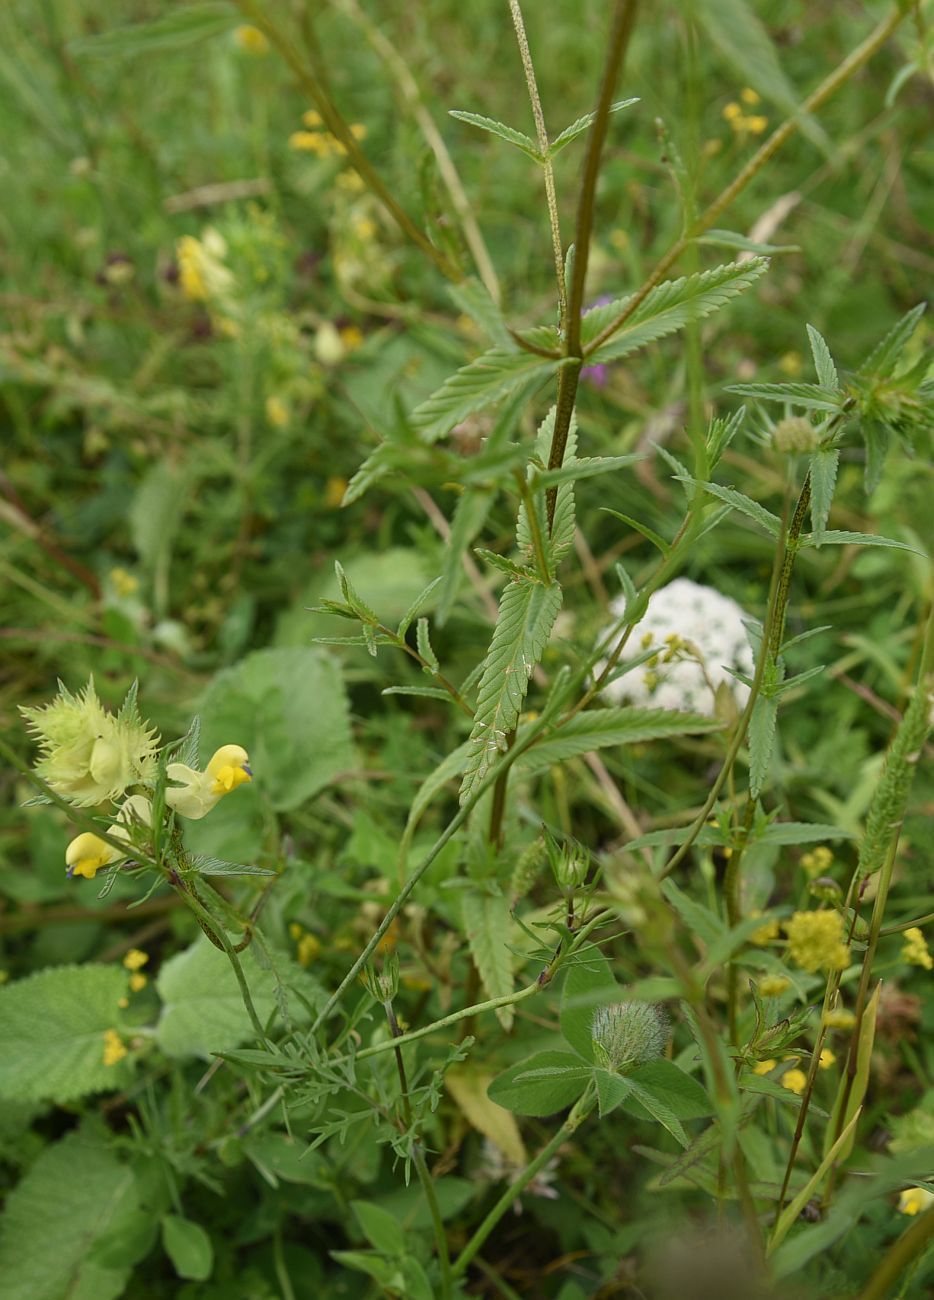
x=914 y=1199
x=196 y=793
x=88 y=853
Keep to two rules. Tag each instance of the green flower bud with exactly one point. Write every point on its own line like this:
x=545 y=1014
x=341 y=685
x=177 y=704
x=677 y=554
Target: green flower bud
x=794 y=434
x=383 y=985
x=627 y=1034
x=570 y=863
x=826 y=889
x=528 y=865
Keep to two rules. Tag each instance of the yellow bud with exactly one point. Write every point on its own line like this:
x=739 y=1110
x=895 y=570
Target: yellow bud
x=87 y=853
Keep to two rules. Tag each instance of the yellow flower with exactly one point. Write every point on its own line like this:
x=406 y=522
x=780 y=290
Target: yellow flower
x=135 y=959
x=749 y=97
x=87 y=754
x=794 y=1081
x=87 y=853
x=732 y=111
x=765 y=933
x=124 y=584
x=251 y=40
x=818 y=862
x=114 y=1047
x=352 y=337
x=277 y=413
x=915 y=949
x=790 y=364
x=773 y=986
x=313 y=142
x=137 y=981
x=311 y=117
x=295 y=930
x=839 y=1018
x=196 y=793
x=329 y=346
x=763 y=1067
x=827 y=1059
x=309 y=949
x=358 y=130
x=815 y=941
x=756 y=124
x=914 y=1199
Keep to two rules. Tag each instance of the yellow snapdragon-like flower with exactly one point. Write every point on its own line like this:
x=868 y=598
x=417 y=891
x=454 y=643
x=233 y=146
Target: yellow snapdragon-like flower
x=196 y=793
x=915 y=1199
x=87 y=754
x=201 y=270
x=763 y=1067
x=915 y=949
x=88 y=853
x=815 y=941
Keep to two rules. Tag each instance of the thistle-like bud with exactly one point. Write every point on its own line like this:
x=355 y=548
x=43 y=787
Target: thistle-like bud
x=383 y=985
x=89 y=755
x=570 y=863
x=627 y=1034
x=794 y=434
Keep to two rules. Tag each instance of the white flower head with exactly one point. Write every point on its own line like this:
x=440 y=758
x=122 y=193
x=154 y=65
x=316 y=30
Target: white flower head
x=699 y=635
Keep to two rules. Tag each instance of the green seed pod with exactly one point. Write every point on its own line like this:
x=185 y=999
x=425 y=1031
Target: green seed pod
x=526 y=871
x=628 y=1034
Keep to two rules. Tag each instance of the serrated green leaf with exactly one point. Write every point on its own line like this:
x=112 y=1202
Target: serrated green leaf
x=823 y=361
x=612 y=1091
x=80 y=1192
x=680 y=1092
x=656 y=1107
x=488 y=927
x=739 y=501
x=188 y=1246
x=507 y=133
x=602 y=728
x=423 y=643
x=732 y=239
x=700 y=920
x=811 y=397
x=205 y=865
x=761 y=741
x=527 y=615
x=669 y=307
x=837 y=537
x=884 y=357
x=541 y=1084
x=648 y=533
x=581 y=125
x=823 y=469
x=52 y=1027
x=416 y=607
x=493 y=375
x=501 y=563
x=588 y=467
x=185 y=25
x=426 y=692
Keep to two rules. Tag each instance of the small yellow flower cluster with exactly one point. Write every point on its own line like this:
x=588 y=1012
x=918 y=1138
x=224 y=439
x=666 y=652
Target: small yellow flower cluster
x=277 y=412
x=114 y=1047
x=322 y=143
x=794 y=1080
x=745 y=123
x=915 y=949
x=308 y=945
x=773 y=986
x=123 y=582
x=915 y=1199
x=818 y=862
x=839 y=1018
x=133 y=961
x=815 y=941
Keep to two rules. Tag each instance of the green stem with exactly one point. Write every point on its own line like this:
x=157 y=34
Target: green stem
x=206 y=919
x=897 y=1258
x=578 y=1114
x=465 y=1013
x=828 y=87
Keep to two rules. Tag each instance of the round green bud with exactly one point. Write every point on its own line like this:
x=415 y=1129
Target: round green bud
x=627 y=1034
x=793 y=435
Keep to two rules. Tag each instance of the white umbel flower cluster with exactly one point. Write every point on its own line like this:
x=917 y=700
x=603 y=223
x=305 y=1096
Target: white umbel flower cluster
x=699 y=635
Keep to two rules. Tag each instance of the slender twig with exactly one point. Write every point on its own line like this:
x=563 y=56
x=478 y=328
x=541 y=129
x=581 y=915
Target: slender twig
x=547 y=165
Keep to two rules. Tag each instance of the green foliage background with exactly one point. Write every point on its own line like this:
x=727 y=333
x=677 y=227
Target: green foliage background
x=171 y=506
